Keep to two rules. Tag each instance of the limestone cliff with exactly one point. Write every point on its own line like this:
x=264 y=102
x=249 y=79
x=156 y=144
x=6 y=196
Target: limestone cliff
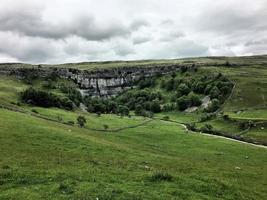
x=105 y=82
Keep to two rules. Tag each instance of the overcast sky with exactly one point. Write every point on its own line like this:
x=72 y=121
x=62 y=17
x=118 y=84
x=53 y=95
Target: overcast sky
x=57 y=31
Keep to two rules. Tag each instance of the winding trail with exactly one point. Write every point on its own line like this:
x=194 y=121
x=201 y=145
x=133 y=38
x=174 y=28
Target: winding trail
x=216 y=136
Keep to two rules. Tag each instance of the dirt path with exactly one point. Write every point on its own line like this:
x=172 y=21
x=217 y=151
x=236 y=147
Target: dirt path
x=217 y=136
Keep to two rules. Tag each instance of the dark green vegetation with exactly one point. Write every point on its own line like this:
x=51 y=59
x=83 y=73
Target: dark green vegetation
x=53 y=152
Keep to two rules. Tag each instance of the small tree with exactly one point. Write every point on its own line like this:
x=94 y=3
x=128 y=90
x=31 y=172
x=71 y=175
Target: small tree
x=214 y=93
x=123 y=110
x=138 y=109
x=182 y=103
x=81 y=121
x=183 y=89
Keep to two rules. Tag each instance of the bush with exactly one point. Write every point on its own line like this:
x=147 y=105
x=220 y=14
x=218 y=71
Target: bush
x=215 y=92
x=206 y=117
x=49 y=84
x=245 y=125
x=72 y=93
x=169 y=85
x=194 y=99
x=169 y=107
x=138 y=110
x=45 y=99
x=81 y=121
x=214 y=106
x=123 y=111
x=161 y=176
x=191 y=127
x=105 y=126
x=183 y=89
x=166 y=118
x=146 y=83
x=207 y=128
x=70 y=123
x=155 y=106
x=182 y=103
x=35 y=111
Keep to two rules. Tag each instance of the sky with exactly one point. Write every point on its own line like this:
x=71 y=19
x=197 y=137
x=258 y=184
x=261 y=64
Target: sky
x=60 y=31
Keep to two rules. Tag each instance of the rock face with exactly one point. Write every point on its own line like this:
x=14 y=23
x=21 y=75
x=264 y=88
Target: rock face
x=103 y=83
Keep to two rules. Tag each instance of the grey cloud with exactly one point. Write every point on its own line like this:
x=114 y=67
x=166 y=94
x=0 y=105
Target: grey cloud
x=141 y=39
x=171 y=36
x=228 y=20
x=31 y=23
x=75 y=30
x=256 y=42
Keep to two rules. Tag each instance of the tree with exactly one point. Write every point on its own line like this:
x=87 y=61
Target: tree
x=214 y=93
x=123 y=110
x=183 y=89
x=155 y=106
x=81 y=120
x=182 y=103
x=215 y=105
x=169 y=85
x=138 y=109
x=194 y=99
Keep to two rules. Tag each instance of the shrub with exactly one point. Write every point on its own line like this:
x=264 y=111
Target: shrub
x=206 y=117
x=215 y=92
x=194 y=99
x=138 y=110
x=34 y=111
x=105 y=126
x=146 y=83
x=183 y=89
x=72 y=93
x=155 y=106
x=182 y=103
x=65 y=188
x=161 y=176
x=166 y=118
x=214 y=106
x=70 y=123
x=123 y=111
x=45 y=99
x=191 y=127
x=169 y=107
x=207 y=128
x=169 y=85
x=245 y=125
x=81 y=121
x=226 y=117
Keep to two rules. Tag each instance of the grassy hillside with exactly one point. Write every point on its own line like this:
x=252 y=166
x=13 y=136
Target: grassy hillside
x=41 y=159
x=45 y=155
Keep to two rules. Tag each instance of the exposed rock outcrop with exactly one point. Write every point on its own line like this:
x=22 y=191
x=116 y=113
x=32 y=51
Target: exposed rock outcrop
x=105 y=82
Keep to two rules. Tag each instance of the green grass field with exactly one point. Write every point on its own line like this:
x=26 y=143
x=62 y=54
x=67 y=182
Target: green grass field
x=41 y=157
x=44 y=160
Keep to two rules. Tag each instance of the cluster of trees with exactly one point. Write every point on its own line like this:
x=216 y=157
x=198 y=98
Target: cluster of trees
x=45 y=99
x=147 y=83
x=100 y=105
x=185 y=92
x=188 y=90
x=72 y=93
x=143 y=102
